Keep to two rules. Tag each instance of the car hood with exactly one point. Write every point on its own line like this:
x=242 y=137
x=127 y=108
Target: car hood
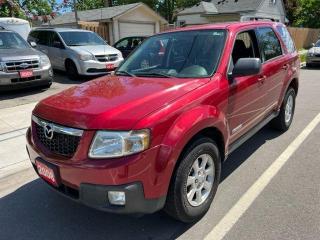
x=96 y=49
x=18 y=54
x=113 y=102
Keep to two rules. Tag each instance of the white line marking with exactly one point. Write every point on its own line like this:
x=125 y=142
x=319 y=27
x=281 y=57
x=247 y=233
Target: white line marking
x=234 y=214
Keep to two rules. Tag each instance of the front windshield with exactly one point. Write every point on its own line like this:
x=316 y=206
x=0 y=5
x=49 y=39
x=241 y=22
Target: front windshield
x=74 y=38
x=185 y=54
x=11 y=40
x=317 y=44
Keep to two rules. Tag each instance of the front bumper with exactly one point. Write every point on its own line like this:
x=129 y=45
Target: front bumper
x=313 y=59
x=94 y=67
x=12 y=80
x=89 y=181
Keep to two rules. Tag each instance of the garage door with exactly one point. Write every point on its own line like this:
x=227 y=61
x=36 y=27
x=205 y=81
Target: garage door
x=136 y=29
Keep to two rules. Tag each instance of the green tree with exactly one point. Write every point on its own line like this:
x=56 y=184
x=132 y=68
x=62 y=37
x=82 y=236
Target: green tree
x=26 y=8
x=307 y=13
x=291 y=8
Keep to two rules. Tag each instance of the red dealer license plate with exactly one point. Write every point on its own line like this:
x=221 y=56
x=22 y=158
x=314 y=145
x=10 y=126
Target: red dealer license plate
x=26 y=74
x=47 y=173
x=110 y=66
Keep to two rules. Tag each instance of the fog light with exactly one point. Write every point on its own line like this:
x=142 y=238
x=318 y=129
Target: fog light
x=117 y=198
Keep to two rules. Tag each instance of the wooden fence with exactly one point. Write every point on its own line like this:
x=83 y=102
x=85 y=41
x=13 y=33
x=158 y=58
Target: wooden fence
x=304 y=37
x=99 y=27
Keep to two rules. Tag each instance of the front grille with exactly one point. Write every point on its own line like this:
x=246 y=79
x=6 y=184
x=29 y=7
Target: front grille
x=107 y=58
x=16 y=80
x=64 y=141
x=14 y=66
x=317 y=55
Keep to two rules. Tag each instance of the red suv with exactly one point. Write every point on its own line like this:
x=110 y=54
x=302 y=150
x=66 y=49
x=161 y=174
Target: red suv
x=155 y=133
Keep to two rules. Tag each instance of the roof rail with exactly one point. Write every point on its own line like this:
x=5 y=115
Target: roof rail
x=44 y=27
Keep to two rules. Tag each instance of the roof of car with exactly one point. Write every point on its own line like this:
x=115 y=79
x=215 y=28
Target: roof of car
x=225 y=25
x=60 y=29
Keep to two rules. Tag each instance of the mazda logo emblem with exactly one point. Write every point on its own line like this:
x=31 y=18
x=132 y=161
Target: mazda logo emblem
x=48 y=131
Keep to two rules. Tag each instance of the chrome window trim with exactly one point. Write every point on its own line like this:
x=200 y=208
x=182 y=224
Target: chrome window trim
x=58 y=128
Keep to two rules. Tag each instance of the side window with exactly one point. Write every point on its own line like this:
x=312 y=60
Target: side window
x=43 y=38
x=285 y=35
x=269 y=43
x=33 y=36
x=55 y=40
x=123 y=44
x=245 y=46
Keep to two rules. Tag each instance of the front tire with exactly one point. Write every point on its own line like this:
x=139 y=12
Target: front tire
x=195 y=181
x=283 y=121
x=72 y=70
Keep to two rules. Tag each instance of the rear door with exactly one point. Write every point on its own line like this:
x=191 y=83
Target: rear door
x=275 y=65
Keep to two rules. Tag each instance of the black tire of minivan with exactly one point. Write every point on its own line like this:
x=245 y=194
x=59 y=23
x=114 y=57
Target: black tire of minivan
x=177 y=204
x=280 y=122
x=72 y=70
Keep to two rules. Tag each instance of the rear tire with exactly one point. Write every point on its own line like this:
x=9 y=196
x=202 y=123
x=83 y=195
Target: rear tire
x=191 y=191
x=283 y=121
x=72 y=70
x=309 y=65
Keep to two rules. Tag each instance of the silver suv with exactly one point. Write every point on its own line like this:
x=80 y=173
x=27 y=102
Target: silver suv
x=20 y=65
x=76 y=51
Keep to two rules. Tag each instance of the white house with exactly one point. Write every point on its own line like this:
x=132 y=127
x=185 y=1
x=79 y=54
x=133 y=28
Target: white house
x=232 y=10
x=122 y=21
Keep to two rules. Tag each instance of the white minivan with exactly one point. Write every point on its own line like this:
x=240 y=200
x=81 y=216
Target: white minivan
x=76 y=51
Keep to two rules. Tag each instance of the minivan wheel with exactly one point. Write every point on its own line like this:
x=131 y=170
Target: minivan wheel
x=195 y=181
x=283 y=121
x=72 y=70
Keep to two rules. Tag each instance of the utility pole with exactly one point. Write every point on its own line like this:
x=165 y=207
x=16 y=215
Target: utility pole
x=76 y=12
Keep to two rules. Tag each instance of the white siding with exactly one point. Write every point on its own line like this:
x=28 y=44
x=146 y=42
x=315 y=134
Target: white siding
x=270 y=10
x=139 y=21
x=192 y=19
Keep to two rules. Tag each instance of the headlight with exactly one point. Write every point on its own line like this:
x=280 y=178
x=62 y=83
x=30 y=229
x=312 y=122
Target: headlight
x=44 y=60
x=1 y=66
x=108 y=144
x=86 y=57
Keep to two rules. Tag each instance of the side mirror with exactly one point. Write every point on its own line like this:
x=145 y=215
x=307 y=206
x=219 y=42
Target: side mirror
x=57 y=44
x=313 y=44
x=247 y=67
x=33 y=44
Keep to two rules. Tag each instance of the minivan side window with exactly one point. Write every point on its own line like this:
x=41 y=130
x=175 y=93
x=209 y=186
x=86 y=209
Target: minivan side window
x=43 y=38
x=285 y=35
x=270 y=46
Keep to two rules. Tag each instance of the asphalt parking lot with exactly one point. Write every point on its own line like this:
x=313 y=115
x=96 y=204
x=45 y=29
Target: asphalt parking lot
x=270 y=188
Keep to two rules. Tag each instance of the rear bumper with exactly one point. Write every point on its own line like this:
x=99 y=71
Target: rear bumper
x=90 y=181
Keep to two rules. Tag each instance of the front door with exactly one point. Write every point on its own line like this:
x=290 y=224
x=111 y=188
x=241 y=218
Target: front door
x=247 y=94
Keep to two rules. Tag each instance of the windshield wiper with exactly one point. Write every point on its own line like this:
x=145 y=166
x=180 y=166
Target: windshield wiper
x=126 y=73
x=153 y=74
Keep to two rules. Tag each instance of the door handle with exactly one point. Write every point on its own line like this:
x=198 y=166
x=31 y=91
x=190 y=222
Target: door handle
x=262 y=79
